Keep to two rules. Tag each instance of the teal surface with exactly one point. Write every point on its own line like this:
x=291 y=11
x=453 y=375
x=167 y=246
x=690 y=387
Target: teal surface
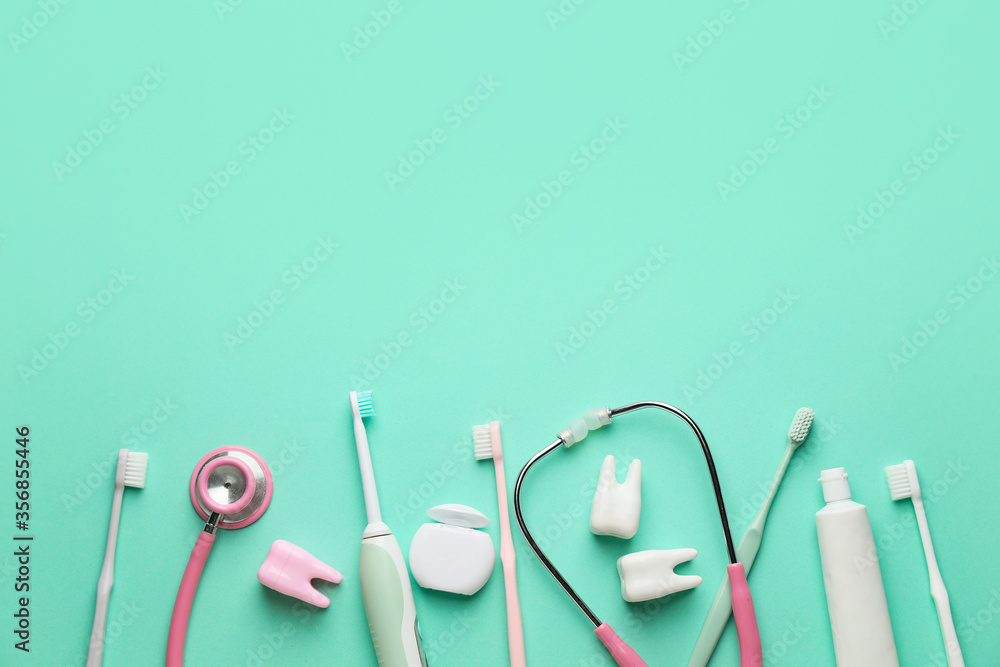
x=218 y=218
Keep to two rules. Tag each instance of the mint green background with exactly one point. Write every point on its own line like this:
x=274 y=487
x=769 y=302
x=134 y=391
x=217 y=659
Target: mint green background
x=493 y=352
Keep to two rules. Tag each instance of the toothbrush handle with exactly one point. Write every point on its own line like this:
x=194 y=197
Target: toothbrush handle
x=185 y=598
x=746 y=553
x=372 y=509
x=388 y=600
x=515 y=628
x=722 y=605
x=95 y=651
x=623 y=654
x=951 y=645
x=714 y=626
x=938 y=591
x=751 y=654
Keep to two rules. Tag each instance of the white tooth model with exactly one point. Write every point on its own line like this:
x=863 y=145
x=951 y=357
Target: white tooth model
x=647 y=575
x=616 y=506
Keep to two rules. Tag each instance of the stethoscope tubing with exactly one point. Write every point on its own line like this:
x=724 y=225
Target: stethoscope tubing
x=185 y=595
x=255 y=499
x=743 y=611
x=559 y=441
x=708 y=459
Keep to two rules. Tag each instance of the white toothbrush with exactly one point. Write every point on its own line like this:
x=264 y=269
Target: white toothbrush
x=131 y=471
x=385 y=581
x=903 y=483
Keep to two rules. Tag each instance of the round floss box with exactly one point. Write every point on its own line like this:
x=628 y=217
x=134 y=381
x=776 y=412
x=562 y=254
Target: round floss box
x=451 y=555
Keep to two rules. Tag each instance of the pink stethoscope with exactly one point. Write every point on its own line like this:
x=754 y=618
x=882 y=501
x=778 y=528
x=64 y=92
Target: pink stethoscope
x=230 y=488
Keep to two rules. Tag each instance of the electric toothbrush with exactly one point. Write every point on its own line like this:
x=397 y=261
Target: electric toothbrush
x=385 y=581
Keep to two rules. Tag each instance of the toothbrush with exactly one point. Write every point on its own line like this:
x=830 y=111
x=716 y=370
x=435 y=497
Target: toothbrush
x=131 y=471
x=746 y=550
x=385 y=581
x=903 y=483
x=486 y=440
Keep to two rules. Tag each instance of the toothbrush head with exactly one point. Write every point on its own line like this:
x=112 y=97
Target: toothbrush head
x=135 y=469
x=365 y=406
x=482 y=442
x=801 y=424
x=903 y=482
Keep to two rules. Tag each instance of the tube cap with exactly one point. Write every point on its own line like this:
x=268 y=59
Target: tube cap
x=835 y=486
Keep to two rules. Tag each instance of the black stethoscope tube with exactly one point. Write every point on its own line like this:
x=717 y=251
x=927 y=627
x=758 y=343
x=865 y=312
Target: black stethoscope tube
x=559 y=441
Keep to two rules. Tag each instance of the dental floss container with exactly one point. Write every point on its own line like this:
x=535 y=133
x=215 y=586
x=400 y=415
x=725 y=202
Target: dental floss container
x=452 y=556
x=855 y=596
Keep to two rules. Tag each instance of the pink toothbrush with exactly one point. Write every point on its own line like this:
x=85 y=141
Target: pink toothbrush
x=486 y=439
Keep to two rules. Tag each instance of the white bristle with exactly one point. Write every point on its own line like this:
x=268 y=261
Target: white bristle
x=135 y=469
x=482 y=442
x=801 y=424
x=899 y=481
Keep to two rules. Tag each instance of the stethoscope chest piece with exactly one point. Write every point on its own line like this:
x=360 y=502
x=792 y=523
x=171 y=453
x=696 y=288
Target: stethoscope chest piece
x=230 y=488
x=232 y=479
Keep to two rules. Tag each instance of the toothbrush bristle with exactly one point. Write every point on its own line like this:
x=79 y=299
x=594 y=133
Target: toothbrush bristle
x=135 y=469
x=365 y=406
x=801 y=424
x=899 y=481
x=482 y=442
